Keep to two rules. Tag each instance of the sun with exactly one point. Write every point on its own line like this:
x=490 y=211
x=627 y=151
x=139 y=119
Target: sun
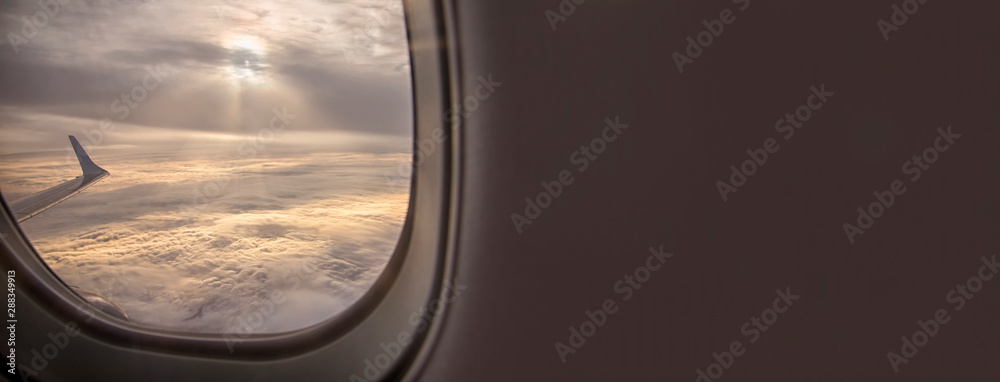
x=248 y=43
x=247 y=58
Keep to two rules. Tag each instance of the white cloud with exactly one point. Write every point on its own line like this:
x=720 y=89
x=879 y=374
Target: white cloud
x=316 y=228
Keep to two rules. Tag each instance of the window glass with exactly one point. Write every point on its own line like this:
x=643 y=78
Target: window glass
x=259 y=152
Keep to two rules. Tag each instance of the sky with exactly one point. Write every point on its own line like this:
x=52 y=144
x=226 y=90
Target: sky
x=255 y=151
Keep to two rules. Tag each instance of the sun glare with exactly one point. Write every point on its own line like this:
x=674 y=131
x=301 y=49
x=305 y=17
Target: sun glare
x=247 y=60
x=247 y=43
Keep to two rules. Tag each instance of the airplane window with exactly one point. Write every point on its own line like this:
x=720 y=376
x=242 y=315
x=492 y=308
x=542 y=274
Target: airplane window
x=241 y=166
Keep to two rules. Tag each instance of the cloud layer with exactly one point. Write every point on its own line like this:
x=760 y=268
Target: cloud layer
x=200 y=244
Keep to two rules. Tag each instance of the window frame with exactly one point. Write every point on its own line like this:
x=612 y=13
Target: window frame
x=337 y=347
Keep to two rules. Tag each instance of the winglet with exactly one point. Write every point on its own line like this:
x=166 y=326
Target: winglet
x=89 y=167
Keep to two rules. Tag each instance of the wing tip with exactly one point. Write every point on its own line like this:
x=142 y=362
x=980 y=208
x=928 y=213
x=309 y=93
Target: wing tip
x=88 y=165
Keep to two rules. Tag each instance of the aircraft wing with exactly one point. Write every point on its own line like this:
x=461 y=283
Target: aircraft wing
x=37 y=203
